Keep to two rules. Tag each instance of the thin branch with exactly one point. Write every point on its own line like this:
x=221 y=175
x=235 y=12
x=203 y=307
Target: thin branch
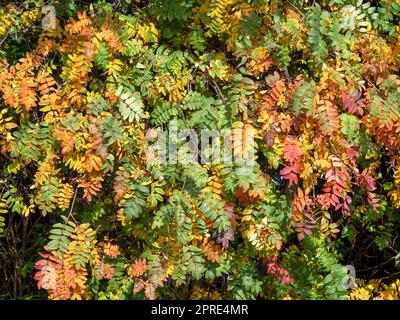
x=70 y=215
x=219 y=92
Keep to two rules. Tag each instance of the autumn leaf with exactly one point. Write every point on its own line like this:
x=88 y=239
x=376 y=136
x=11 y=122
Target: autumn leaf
x=138 y=268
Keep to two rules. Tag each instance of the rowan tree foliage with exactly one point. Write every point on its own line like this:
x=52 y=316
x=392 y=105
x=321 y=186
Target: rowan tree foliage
x=89 y=210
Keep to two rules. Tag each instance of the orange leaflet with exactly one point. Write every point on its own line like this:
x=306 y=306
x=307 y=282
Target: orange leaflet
x=138 y=268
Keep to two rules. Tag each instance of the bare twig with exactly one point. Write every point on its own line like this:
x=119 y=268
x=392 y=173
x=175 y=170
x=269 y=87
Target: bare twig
x=219 y=92
x=70 y=215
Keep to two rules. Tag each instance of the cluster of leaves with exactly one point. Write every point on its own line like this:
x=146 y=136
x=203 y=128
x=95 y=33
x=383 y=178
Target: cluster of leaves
x=376 y=290
x=83 y=107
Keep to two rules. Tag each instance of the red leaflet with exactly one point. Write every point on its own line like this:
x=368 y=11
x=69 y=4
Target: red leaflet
x=334 y=199
x=290 y=173
x=373 y=200
x=285 y=170
x=351 y=103
x=337 y=163
x=329 y=176
x=276 y=271
x=292 y=178
x=348 y=104
x=291 y=151
x=366 y=181
x=267 y=64
x=336 y=192
x=346 y=205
